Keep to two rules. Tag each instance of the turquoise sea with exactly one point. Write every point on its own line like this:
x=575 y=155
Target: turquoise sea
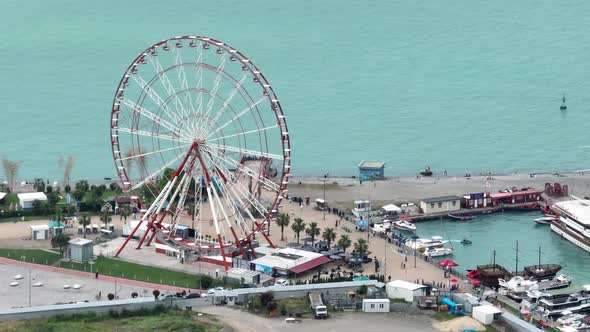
x=457 y=85
x=500 y=232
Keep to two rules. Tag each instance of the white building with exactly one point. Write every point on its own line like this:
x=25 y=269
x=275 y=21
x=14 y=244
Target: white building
x=440 y=204
x=486 y=314
x=399 y=289
x=80 y=250
x=376 y=305
x=361 y=208
x=26 y=200
x=39 y=232
x=2 y=195
x=287 y=261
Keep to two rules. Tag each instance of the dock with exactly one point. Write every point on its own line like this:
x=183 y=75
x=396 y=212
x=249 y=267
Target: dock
x=470 y=212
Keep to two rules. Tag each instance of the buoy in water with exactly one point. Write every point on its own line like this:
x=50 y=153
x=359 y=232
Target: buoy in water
x=563 y=106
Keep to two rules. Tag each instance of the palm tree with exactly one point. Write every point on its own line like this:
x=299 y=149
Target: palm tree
x=125 y=212
x=361 y=246
x=298 y=226
x=313 y=230
x=344 y=242
x=84 y=221
x=58 y=213
x=329 y=235
x=283 y=220
x=105 y=217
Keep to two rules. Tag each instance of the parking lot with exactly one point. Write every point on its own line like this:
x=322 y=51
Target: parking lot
x=52 y=291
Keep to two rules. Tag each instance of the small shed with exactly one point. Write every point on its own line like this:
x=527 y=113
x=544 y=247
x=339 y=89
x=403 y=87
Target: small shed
x=81 y=250
x=39 y=232
x=399 y=289
x=181 y=231
x=244 y=276
x=369 y=170
x=391 y=209
x=486 y=314
x=26 y=199
x=376 y=305
x=440 y=204
x=361 y=208
x=56 y=227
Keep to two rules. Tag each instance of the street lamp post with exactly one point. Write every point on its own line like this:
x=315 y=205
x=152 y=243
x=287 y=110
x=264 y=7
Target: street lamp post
x=325 y=205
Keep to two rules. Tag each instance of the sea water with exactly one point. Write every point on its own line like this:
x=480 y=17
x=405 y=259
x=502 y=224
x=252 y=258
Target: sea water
x=500 y=232
x=462 y=86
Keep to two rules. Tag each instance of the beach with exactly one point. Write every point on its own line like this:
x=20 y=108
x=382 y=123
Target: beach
x=341 y=192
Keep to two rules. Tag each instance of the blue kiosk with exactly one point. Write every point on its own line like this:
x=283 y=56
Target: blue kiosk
x=369 y=171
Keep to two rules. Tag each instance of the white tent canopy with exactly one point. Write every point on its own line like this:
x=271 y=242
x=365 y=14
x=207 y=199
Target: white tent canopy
x=392 y=208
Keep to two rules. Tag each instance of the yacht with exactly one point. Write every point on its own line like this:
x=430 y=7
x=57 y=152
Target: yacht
x=573 y=223
x=563 y=301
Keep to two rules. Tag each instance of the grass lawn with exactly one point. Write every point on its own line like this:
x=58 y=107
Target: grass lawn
x=119 y=268
x=31 y=255
x=27 y=218
x=156 y=319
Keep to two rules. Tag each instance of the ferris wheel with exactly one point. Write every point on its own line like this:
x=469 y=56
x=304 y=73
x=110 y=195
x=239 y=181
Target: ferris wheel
x=198 y=135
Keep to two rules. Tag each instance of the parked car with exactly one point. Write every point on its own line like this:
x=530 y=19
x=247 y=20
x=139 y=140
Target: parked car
x=212 y=291
x=281 y=282
x=192 y=296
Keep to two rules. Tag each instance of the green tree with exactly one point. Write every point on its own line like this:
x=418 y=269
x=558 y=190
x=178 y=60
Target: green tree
x=283 y=220
x=125 y=212
x=298 y=226
x=329 y=235
x=82 y=185
x=49 y=189
x=79 y=195
x=105 y=217
x=60 y=241
x=67 y=189
x=313 y=230
x=344 y=242
x=84 y=221
x=58 y=213
x=361 y=246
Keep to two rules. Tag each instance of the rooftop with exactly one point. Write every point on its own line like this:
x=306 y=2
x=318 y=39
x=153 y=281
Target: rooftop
x=405 y=285
x=577 y=208
x=2 y=195
x=287 y=258
x=39 y=227
x=32 y=196
x=80 y=241
x=441 y=199
x=306 y=287
x=371 y=164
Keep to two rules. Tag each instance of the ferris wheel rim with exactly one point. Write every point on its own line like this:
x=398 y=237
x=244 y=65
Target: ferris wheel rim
x=285 y=166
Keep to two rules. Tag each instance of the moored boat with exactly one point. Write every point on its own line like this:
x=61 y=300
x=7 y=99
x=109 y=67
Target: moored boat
x=460 y=218
x=404 y=225
x=542 y=271
x=545 y=220
x=437 y=252
x=573 y=223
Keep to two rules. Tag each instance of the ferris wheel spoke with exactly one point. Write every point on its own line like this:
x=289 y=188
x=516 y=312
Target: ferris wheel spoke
x=152 y=152
x=237 y=116
x=152 y=135
x=246 y=151
x=243 y=133
x=213 y=93
x=184 y=84
x=155 y=97
x=226 y=103
x=154 y=174
x=166 y=84
x=245 y=170
x=147 y=114
x=243 y=190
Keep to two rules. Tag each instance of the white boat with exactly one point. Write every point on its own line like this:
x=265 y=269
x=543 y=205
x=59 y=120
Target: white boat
x=436 y=252
x=405 y=225
x=574 y=221
x=545 y=220
x=423 y=244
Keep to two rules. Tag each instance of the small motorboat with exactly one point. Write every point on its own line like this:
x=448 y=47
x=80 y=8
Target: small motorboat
x=563 y=106
x=405 y=225
x=436 y=252
x=488 y=211
x=426 y=172
x=544 y=220
x=460 y=218
x=465 y=242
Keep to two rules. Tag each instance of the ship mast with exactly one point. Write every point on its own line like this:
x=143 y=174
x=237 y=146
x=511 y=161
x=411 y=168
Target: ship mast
x=516 y=259
x=539 y=266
